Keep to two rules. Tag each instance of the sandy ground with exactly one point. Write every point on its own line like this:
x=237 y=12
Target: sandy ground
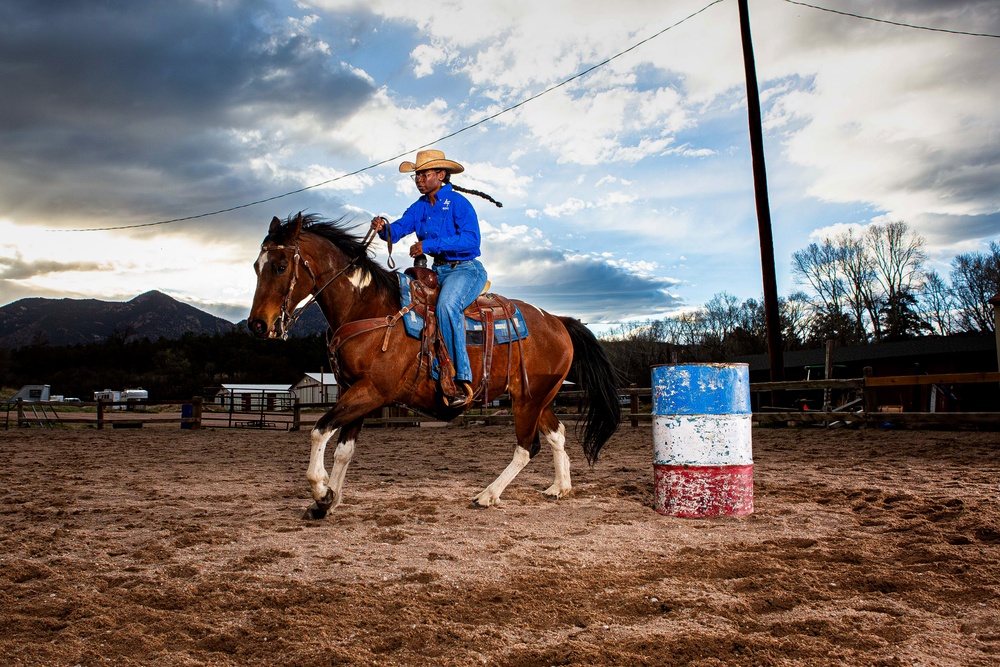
x=168 y=547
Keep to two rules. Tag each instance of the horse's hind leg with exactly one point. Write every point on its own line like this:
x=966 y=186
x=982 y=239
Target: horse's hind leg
x=526 y=425
x=555 y=433
x=491 y=494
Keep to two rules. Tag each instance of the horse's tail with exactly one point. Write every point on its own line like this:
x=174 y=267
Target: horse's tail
x=593 y=371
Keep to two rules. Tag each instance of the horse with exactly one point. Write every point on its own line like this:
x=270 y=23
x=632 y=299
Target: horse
x=307 y=257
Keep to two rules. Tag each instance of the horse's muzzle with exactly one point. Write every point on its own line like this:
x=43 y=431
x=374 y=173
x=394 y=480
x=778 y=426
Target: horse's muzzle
x=258 y=328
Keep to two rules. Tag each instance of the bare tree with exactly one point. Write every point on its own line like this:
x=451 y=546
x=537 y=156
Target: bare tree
x=861 y=283
x=857 y=265
x=975 y=278
x=938 y=304
x=796 y=312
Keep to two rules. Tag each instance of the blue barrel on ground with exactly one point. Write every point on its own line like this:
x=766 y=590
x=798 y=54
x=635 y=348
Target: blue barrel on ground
x=187 y=412
x=702 y=452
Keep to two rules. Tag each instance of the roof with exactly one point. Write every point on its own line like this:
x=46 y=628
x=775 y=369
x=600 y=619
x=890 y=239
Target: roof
x=320 y=378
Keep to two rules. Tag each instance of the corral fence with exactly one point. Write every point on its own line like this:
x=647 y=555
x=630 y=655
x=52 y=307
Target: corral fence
x=841 y=402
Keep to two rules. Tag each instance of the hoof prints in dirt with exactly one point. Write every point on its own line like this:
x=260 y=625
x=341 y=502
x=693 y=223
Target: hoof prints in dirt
x=865 y=549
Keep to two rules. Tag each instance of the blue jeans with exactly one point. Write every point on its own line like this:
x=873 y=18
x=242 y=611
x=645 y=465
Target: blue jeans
x=459 y=287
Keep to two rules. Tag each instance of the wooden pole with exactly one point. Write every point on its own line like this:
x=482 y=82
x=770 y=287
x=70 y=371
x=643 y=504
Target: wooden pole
x=772 y=319
x=871 y=401
x=196 y=410
x=995 y=302
x=828 y=375
x=634 y=404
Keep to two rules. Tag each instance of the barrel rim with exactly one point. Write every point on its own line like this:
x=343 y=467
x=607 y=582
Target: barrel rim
x=704 y=365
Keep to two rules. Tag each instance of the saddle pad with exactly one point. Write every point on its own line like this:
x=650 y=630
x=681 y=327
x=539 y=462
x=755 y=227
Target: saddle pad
x=504 y=331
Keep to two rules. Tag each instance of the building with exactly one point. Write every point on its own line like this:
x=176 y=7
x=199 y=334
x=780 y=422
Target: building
x=317 y=388
x=927 y=355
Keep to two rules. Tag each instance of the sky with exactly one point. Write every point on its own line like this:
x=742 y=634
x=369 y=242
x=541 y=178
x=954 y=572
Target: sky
x=627 y=192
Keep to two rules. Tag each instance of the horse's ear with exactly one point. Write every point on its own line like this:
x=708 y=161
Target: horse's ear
x=275 y=223
x=295 y=226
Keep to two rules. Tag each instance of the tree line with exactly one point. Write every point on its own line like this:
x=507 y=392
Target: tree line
x=857 y=288
x=168 y=369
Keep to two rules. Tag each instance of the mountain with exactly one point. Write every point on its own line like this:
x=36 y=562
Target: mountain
x=151 y=315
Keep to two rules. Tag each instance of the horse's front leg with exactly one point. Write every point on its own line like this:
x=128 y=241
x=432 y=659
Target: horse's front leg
x=328 y=489
x=348 y=418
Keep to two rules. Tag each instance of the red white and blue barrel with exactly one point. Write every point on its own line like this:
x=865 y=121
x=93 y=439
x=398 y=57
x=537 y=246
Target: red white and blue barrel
x=703 y=458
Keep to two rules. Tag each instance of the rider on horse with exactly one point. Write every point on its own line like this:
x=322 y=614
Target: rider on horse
x=447 y=229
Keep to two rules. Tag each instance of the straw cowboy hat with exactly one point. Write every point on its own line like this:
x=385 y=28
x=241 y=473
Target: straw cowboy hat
x=431 y=160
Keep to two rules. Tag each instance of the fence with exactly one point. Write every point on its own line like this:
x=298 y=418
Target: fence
x=858 y=405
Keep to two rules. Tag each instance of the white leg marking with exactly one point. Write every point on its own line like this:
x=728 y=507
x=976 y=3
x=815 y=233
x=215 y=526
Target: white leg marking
x=562 y=485
x=316 y=473
x=341 y=459
x=491 y=494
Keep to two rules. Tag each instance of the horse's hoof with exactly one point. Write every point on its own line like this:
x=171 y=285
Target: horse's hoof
x=481 y=503
x=314 y=513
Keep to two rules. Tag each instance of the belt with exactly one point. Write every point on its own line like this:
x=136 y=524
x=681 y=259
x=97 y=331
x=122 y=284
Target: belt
x=444 y=262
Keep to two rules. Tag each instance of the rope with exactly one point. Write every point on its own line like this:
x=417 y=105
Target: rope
x=404 y=153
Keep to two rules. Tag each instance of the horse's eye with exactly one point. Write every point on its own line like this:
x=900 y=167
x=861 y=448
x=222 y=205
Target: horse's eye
x=280 y=268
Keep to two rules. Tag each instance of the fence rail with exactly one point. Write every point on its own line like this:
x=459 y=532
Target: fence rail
x=636 y=406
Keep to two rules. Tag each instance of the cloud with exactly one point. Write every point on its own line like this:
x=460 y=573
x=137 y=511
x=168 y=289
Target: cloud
x=601 y=290
x=151 y=103
x=14 y=267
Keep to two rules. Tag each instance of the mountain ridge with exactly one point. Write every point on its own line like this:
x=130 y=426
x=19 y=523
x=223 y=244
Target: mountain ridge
x=153 y=315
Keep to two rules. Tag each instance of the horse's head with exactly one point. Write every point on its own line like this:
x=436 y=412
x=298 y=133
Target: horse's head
x=283 y=279
x=307 y=254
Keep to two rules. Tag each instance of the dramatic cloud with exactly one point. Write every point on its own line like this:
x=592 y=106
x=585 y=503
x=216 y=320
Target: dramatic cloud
x=627 y=192
x=154 y=104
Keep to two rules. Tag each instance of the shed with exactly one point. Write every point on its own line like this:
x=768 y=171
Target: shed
x=317 y=388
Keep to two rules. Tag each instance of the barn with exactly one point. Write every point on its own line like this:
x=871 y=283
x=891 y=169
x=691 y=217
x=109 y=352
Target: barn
x=317 y=388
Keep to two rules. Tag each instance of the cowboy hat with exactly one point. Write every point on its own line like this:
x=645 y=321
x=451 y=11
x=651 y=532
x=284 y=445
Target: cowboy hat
x=431 y=159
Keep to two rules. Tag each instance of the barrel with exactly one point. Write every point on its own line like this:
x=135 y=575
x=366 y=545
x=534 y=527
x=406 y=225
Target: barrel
x=702 y=453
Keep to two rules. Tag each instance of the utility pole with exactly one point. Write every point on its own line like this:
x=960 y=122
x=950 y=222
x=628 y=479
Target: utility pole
x=771 y=317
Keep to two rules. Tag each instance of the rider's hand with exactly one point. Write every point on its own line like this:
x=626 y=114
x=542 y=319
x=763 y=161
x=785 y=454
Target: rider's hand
x=378 y=223
x=417 y=249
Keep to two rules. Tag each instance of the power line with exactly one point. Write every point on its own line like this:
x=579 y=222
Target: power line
x=487 y=119
x=896 y=23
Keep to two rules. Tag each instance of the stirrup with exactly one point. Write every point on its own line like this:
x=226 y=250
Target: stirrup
x=460 y=401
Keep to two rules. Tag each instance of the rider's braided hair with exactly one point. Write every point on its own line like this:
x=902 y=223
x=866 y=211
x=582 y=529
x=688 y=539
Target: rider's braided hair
x=468 y=191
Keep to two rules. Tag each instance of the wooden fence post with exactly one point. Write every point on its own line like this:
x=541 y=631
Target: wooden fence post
x=634 y=404
x=296 y=415
x=100 y=414
x=20 y=411
x=828 y=375
x=871 y=401
x=196 y=412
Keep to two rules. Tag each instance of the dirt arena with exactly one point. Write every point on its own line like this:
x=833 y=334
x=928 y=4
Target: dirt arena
x=163 y=546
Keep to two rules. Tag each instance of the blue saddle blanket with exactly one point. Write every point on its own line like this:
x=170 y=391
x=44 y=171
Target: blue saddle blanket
x=504 y=331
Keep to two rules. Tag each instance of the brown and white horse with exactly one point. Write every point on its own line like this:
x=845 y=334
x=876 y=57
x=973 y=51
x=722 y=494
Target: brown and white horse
x=306 y=255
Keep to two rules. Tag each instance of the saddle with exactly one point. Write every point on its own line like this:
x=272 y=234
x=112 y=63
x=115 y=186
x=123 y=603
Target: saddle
x=488 y=308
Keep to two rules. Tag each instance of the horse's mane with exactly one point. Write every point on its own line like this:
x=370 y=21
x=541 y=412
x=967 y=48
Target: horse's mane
x=337 y=233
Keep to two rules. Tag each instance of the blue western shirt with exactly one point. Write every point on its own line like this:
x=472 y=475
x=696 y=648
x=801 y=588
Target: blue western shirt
x=449 y=230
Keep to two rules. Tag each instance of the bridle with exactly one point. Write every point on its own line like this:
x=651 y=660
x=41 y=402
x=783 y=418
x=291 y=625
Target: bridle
x=289 y=316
